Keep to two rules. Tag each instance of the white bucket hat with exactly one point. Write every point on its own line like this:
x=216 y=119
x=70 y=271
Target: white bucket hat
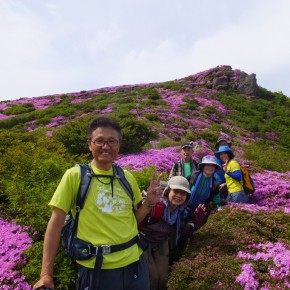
x=177 y=182
x=209 y=159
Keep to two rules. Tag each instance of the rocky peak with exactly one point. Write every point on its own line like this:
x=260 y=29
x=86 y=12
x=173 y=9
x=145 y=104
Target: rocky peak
x=225 y=77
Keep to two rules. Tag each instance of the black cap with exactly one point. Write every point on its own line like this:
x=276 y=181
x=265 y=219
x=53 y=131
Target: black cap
x=189 y=145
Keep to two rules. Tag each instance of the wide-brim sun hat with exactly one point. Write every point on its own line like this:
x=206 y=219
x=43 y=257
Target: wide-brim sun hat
x=216 y=146
x=224 y=149
x=209 y=159
x=177 y=182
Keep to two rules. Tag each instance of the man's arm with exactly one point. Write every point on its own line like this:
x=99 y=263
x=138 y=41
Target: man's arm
x=142 y=211
x=50 y=247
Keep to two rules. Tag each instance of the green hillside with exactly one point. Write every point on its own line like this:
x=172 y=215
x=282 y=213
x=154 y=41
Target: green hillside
x=42 y=137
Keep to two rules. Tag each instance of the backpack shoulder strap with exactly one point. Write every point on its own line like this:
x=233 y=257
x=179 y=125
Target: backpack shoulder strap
x=194 y=162
x=120 y=175
x=86 y=178
x=176 y=165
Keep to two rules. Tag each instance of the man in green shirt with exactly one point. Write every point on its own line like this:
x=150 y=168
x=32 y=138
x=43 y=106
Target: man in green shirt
x=107 y=218
x=186 y=165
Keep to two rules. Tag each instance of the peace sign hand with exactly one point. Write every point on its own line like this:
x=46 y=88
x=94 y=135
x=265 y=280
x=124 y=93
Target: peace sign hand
x=154 y=192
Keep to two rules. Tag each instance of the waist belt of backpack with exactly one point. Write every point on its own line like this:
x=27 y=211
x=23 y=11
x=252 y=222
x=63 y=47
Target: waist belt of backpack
x=104 y=250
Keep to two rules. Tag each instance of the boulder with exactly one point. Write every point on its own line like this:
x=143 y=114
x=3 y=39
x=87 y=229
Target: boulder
x=246 y=84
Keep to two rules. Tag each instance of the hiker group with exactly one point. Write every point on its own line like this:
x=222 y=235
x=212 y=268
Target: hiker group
x=122 y=239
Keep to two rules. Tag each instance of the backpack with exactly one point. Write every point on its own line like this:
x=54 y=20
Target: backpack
x=248 y=183
x=69 y=231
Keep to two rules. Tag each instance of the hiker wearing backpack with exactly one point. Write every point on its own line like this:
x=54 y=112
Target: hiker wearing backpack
x=163 y=220
x=233 y=175
x=186 y=165
x=105 y=248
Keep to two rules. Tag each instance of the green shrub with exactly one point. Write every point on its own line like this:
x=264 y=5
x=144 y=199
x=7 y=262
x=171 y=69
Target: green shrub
x=191 y=104
x=171 y=85
x=73 y=136
x=19 y=109
x=64 y=270
x=268 y=155
x=135 y=134
x=210 y=110
x=144 y=176
x=30 y=180
x=209 y=136
x=152 y=103
x=163 y=143
x=151 y=117
x=126 y=100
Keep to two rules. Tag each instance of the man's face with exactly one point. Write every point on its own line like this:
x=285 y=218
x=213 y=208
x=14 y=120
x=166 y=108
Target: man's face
x=106 y=154
x=186 y=153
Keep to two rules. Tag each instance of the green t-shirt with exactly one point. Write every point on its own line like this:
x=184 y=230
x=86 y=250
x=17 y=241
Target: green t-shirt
x=187 y=169
x=106 y=219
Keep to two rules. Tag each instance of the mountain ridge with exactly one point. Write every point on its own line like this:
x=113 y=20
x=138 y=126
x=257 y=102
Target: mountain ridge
x=203 y=106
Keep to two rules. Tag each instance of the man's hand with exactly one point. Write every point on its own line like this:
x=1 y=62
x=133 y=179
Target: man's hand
x=154 y=192
x=45 y=282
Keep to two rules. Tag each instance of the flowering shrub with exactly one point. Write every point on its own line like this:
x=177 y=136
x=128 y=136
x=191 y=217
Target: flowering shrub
x=279 y=269
x=13 y=241
x=247 y=277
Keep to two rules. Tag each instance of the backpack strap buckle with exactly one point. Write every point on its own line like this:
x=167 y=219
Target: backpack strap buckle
x=93 y=250
x=106 y=249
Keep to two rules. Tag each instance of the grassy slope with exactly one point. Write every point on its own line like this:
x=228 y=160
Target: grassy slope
x=175 y=111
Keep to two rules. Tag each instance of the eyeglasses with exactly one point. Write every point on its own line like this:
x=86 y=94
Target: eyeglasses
x=101 y=142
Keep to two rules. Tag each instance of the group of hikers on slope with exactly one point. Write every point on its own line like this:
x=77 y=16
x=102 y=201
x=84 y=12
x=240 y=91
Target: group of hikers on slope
x=142 y=233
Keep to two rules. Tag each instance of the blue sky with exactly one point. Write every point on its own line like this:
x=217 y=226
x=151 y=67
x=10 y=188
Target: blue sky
x=62 y=46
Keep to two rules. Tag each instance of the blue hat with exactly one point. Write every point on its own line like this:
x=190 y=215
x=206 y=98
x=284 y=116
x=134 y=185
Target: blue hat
x=224 y=149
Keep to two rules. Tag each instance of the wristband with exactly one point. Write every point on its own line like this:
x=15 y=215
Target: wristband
x=148 y=203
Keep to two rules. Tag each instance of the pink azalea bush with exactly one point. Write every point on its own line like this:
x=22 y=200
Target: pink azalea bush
x=248 y=277
x=13 y=241
x=278 y=253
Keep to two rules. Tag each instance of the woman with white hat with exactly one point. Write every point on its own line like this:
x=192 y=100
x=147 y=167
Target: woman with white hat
x=204 y=186
x=158 y=226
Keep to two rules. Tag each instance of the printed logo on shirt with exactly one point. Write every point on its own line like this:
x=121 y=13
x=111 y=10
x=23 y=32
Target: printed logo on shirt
x=107 y=203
